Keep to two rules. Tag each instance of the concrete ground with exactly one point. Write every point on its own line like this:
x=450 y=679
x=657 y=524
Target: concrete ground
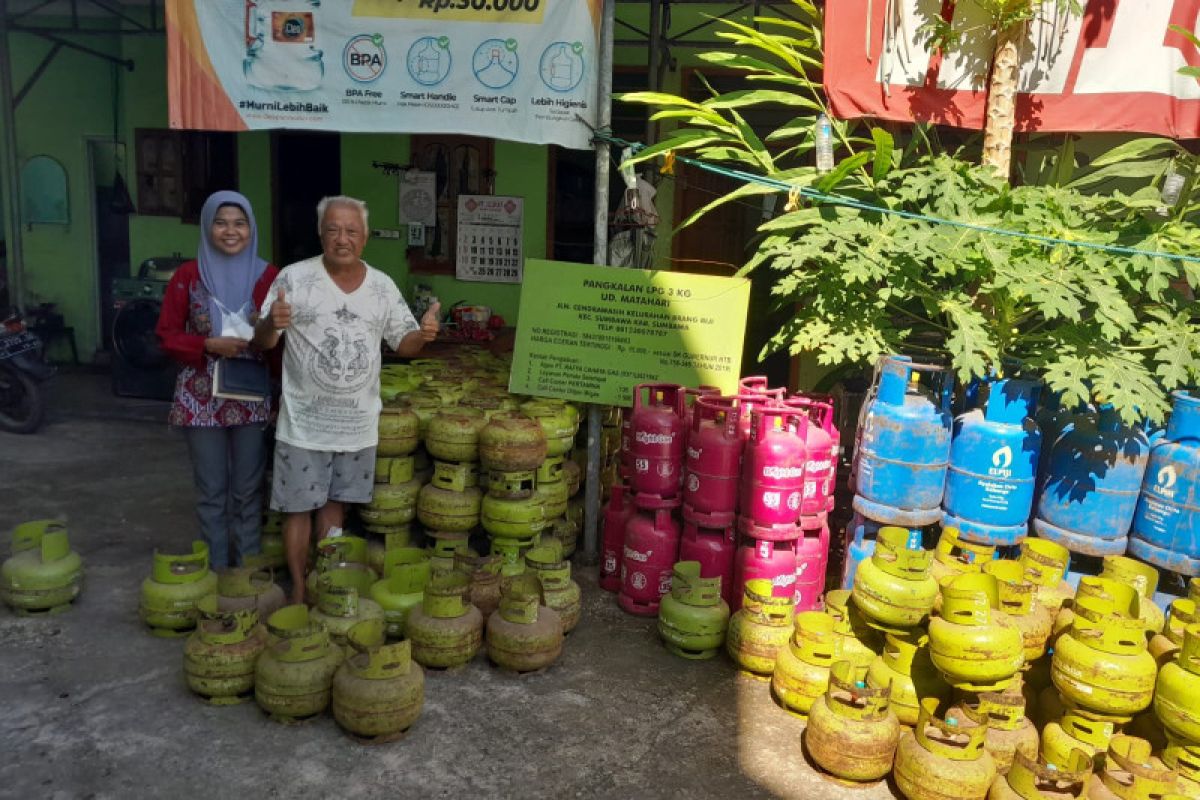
x=95 y=707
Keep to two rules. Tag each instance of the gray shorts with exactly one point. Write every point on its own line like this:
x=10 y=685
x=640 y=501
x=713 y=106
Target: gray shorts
x=304 y=480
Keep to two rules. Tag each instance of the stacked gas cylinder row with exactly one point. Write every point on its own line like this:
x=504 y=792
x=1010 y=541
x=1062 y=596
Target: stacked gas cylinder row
x=1080 y=477
x=959 y=648
x=755 y=467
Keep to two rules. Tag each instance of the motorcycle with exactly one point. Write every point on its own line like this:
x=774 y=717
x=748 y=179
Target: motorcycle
x=23 y=369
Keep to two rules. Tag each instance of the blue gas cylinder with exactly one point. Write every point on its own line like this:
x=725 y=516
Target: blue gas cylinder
x=993 y=463
x=1090 y=488
x=904 y=447
x=1166 y=526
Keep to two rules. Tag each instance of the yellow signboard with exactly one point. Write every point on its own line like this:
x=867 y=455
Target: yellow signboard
x=522 y=11
x=591 y=334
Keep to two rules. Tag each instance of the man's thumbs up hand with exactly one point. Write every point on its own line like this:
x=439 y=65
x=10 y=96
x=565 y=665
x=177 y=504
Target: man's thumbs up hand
x=429 y=322
x=281 y=311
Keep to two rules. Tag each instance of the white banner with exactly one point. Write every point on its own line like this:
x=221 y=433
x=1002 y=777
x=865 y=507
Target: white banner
x=509 y=69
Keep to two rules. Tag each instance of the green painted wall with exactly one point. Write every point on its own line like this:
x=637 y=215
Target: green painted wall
x=71 y=101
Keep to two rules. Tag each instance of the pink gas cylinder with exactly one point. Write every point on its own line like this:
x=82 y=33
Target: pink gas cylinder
x=712 y=471
x=773 y=473
x=714 y=548
x=761 y=558
x=612 y=543
x=753 y=393
x=649 y=556
x=691 y=397
x=835 y=437
x=819 y=463
x=657 y=438
x=812 y=556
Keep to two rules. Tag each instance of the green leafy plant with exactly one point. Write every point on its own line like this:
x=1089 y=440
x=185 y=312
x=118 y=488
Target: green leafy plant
x=873 y=273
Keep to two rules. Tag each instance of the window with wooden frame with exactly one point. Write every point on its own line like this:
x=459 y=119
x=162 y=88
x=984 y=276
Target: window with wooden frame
x=461 y=165
x=178 y=170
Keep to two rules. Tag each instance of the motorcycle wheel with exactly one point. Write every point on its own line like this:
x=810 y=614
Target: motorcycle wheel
x=21 y=407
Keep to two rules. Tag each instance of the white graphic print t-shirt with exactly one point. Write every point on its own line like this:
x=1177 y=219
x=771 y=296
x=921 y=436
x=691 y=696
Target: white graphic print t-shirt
x=331 y=355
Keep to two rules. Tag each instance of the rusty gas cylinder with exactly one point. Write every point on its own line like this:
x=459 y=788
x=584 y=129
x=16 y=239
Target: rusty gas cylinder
x=242 y=588
x=219 y=656
x=905 y=666
x=1009 y=731
x=1131 y=773
x=939 y=760
x=484 y=574
x=759 y=628
x=852 y=731
x=512 y=442
x=524 y=634
x=445 y=630
x=1018 y=601
x=559 y=591
x=802 y=668
x=378 y=692
x=1031 y=779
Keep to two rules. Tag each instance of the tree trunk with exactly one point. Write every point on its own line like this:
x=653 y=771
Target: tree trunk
x=1002 y=99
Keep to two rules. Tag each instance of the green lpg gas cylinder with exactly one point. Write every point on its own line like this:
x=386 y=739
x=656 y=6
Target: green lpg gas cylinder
x=801 y=673
x=392 y=505
x=759 y=628
x=220 y=655
x=692 y=618
x=511 y=442
x=44 y=574
x=560 y=592
x=1101 y=661
x=175 y=585
x=444 y=546
x=1130 y=772
x=1033 y=779
x=399 y=430
x=559 y=421
x=359 y=576
x=445 y=630
x=524 y=635
x=243 y=588
x=341 y=607
x=894 y=588
x=378 y=691
x=1177 y=690
x=1078 y=729
x=453 y=435
x=484 y=574
x=448 y=510
x=513 y=518
x=566 y=531
x=406 y=572
x=553 y=497
x=294 y=674
x=906 y=667
x=974 y=644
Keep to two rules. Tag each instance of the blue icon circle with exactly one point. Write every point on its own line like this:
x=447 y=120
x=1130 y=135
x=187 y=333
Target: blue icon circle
x=561 y=67
x=428 y=62
x=364 y=58
x=494 y=64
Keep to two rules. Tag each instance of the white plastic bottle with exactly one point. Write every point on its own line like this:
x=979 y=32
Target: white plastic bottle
x=824 y=144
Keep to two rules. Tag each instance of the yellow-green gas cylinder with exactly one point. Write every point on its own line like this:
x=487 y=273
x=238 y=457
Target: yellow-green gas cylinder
x=566 y=530
x=406 y=572
x=1163 y=646
x=509 y=518
x=1045 y=564
x=293 y=676
x=445 y=630
x=485 y=577
x=954 y=556
x=1017 y=600
x=894 y=588
x=1144 y=580
x=560 y=592
x=692 y=618
x=553 y=497
x=453 y=434
x=348 y=573
x=1031 y=779
x=512 y=442
x=399 y=430
x=392 y=504
x=524 y=634
x=1121 y=596
x=759 y=628
x=973 y=644
x=802 y=668
x=939 y=760
x=1130 y=772
x=219 y=656
x=1009 y=731
x=906 y=667
x=1101 y=661
x=859 y=642
x=1078 y=729
x=448 y=510
x=1177 y=690
x=43 y=574
x=242 y=588
x=377 y=692
x=341 y=607
x=175 y=585
x=1184 y=758
x=559 y=421
x=852 y=731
